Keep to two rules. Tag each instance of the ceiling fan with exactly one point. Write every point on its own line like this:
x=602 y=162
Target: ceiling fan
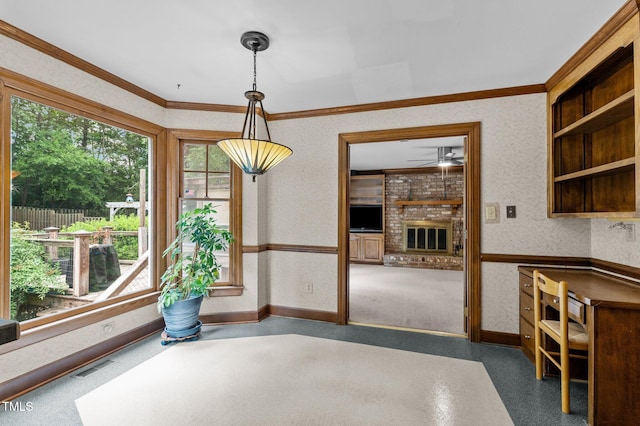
x=446 y=157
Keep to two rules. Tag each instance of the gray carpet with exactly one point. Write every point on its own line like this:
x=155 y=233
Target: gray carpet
x=528 y=401
x=424 y=299
x=304 y=380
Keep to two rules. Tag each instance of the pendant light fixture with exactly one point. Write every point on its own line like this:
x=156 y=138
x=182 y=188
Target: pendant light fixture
x=254 y=155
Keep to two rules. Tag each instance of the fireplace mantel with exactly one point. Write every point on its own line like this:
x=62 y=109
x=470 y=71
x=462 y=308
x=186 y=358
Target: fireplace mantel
x=453 y=203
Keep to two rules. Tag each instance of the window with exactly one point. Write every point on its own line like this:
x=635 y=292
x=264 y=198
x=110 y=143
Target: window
x=207 y=176
x=63 y=159
x=78 y=191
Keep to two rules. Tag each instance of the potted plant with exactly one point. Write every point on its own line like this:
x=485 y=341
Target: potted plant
x=193 y=269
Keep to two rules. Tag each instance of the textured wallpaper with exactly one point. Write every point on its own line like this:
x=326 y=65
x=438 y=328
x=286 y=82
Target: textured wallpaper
x=296 y=203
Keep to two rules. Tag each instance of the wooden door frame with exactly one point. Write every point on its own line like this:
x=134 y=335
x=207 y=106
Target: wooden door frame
x=471 y=202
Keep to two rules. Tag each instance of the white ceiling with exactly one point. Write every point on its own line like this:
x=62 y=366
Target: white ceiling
x=323 y=54
x=401 y=154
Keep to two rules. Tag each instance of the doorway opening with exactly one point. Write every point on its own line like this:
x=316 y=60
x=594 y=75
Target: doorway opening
x=469 y=204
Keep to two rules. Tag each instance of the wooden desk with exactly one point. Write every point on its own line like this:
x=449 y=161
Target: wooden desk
x=612 y=314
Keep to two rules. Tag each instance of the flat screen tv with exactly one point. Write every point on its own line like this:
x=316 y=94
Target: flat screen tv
x=365 y=218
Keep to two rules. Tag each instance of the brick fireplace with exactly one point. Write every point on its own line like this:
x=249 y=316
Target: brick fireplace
x=424 y=236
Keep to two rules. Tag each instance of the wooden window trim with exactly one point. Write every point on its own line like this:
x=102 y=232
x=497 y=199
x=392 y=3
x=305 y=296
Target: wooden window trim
x=13 y=84
x=175 y=139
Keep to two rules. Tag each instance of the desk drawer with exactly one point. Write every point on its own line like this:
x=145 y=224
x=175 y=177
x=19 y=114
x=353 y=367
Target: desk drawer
x=527 y=338
x=526 y=284
x=576 y=308
x=526 y=307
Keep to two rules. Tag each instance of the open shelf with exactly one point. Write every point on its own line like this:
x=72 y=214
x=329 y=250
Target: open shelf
x=593 y=142
x=612 y=112
x=599 y=170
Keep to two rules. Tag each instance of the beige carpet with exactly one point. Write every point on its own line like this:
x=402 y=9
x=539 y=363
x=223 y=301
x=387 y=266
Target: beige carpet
x=424 y=299
x=295 y=380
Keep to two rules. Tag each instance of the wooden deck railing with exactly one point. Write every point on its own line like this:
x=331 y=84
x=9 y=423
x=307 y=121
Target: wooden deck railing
x=81 y=244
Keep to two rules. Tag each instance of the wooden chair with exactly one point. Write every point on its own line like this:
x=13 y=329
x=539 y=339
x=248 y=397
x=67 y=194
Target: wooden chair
x=569 y=335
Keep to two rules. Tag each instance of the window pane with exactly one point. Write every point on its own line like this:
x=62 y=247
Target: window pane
x=218 y=160
x=194 y=185
x=219 y=185
x=71 y=173
x=195 y=157
x=222 y=217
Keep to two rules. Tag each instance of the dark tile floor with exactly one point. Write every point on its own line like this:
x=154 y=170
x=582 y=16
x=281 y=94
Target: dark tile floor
x=528 y=401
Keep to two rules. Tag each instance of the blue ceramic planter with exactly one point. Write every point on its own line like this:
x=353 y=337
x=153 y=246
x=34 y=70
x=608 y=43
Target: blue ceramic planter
x=182 y=317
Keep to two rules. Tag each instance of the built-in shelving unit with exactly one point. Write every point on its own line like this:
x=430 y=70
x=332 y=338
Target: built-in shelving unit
x=367 y=189
x=593 y=152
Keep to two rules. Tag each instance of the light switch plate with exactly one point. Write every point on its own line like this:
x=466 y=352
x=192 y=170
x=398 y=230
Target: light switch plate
x=491 y=213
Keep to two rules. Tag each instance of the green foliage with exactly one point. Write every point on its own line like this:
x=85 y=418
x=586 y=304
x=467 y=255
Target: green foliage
x=31 y=274
x=68 y=161
x=126 y=246
x=191 y=273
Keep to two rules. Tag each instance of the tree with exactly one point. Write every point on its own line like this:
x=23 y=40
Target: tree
x=69 y=161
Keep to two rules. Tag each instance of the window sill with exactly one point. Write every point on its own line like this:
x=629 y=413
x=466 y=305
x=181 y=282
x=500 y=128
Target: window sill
x=64 y=325
x=227 y=290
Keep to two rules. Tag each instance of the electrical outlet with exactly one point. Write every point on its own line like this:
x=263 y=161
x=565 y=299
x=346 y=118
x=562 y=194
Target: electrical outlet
x=308 y=288
x=511 y=212
x=108 y=328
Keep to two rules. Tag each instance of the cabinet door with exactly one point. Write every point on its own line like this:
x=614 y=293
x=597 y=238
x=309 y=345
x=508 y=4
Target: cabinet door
x=372 y=248
x=354 y=247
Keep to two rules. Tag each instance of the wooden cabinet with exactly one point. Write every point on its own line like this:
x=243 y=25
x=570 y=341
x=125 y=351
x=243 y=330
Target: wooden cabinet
x=366 y=197
x=609 y=306
x=526 y=316
x=366 y=248
x=592 y=152
x=367 y=189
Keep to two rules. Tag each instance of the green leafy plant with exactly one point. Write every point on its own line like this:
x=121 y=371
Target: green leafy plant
x=194 y=266
x=126 y=246
x=31 y=274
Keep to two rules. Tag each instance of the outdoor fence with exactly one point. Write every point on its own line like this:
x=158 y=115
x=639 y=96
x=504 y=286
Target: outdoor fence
x=40 y=219
x=79 y=254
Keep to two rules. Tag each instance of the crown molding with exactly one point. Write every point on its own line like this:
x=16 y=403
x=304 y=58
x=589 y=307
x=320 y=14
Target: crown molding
x=40 y=45
x=406 y=103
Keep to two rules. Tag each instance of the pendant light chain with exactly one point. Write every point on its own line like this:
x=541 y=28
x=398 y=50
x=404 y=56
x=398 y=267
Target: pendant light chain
x=255 y=51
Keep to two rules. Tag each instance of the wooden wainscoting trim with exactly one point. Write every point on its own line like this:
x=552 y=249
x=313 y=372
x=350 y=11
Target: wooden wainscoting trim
x=309 y=314
x=20 y=385
x=230 y=318
x=616 y=268
x=499 y=338
x=254 y=249
x=524 y=259
x=297 y=248
x=535 y=260
x=303 y=248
